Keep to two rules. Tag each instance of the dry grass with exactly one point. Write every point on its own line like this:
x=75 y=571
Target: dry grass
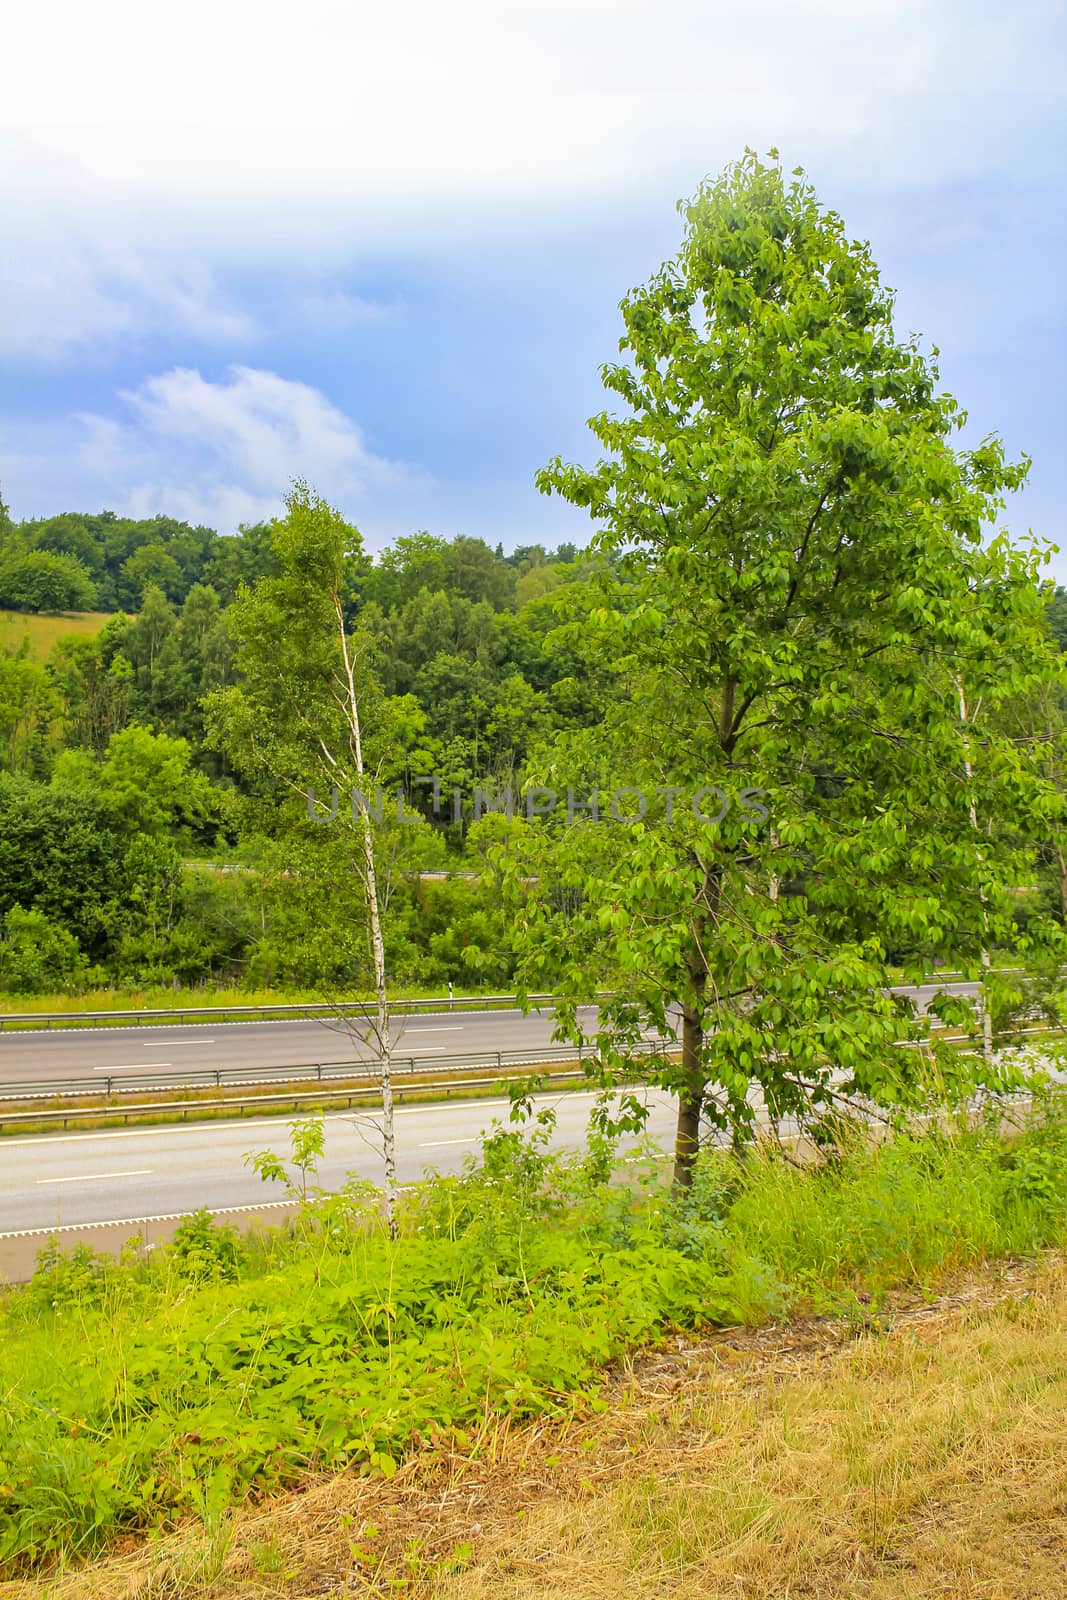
x=924 y=1457
x=43 y=631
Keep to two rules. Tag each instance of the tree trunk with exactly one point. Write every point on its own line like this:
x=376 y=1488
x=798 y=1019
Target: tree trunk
x=382 y=1026
x=369 y=874
x=1061 y=871
x=690 y=1100
x=968 y=718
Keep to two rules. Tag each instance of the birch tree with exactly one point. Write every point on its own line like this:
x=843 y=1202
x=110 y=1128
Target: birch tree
x=309 y=725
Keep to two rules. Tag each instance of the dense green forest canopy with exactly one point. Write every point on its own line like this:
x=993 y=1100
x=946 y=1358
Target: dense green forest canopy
x=132 y=852
x=107 y=783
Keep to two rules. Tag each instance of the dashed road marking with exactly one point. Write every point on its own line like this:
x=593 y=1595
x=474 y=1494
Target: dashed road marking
x=99 y=1177
x=136 y=1066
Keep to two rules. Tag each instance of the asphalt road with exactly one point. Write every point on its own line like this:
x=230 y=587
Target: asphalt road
x=176 y=1054
x=74 y=1180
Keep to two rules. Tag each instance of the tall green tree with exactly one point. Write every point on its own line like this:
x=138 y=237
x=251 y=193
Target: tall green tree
x=801 y=536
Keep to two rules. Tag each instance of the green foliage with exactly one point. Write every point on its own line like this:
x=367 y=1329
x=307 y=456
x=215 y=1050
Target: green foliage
x=203 y=1249
x=222 y=1365
x=810 y=614
x=149 y=781
x=65 y=1280
x=37 y=580
x=307 y=1141
x=38 y=956
x=61 y=855
x=28 y=709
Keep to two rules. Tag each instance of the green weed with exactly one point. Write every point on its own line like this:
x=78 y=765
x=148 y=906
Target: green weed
x=178 y=1383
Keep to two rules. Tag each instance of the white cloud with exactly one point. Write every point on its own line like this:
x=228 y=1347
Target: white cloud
x=79 y=265
x=150 y=158
x=223 y=453
x=408 y=98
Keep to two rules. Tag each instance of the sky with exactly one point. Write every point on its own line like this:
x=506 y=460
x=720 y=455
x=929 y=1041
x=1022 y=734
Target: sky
x=382 y=248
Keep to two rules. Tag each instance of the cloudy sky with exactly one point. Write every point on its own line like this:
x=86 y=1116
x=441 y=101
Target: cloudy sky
x=382 y=247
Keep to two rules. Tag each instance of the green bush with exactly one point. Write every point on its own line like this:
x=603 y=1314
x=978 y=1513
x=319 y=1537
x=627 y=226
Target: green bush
x=38 y=956
x=39 y=580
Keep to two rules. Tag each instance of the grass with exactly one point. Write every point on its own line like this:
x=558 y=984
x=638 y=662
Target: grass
x=43 y=631
x=924 y=1460
x=165 y=998
x=923 y=1456
x=136 y=1399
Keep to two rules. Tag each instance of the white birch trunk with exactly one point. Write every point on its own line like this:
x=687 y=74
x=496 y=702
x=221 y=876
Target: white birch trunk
x=382 y=1031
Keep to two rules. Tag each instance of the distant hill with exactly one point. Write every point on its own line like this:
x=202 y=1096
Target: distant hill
x=43 y=631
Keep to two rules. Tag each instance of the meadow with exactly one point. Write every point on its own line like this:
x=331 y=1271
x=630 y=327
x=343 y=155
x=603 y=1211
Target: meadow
x=42 y=631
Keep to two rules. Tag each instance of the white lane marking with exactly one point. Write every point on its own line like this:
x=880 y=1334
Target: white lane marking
x=162 y=1216
x=98 y=1177
x=134 y=1066
x=52 y=1034
x=438 y=1144
x=174 y=1042
x=428 y=1107
x=450 y=1027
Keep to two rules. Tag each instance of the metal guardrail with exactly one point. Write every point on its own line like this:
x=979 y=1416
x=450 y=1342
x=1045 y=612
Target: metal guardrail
x=321 y=1072
x=310 y=1008
x=326 y=1071
x=321 y=1008
x=182 y=1110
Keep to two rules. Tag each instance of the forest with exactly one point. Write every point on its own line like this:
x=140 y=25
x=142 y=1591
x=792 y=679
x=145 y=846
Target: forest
x=132 y=853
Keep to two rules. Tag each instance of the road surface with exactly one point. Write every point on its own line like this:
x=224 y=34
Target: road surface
x=176 y=1054
x=73 y=1180
x=183 y=1053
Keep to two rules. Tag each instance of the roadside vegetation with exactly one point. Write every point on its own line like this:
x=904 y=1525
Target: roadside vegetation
x=137 y=1393
x=916 y=1451
x=803 y=723
x=178 y=998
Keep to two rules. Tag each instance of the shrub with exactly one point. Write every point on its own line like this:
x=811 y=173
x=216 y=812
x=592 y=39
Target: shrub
x=37 y=956
x=40 y=580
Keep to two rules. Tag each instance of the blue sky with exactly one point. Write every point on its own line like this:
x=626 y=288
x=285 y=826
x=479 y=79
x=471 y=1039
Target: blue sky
x=383 y=248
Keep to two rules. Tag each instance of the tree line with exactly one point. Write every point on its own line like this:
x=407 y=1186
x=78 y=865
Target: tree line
x=136 y=853
x=795 y=586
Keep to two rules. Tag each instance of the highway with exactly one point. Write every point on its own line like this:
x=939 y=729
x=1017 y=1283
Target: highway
x=129 y=1175
x=177 y=1054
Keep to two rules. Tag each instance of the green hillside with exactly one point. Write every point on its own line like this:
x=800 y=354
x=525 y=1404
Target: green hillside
x=43 y=631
